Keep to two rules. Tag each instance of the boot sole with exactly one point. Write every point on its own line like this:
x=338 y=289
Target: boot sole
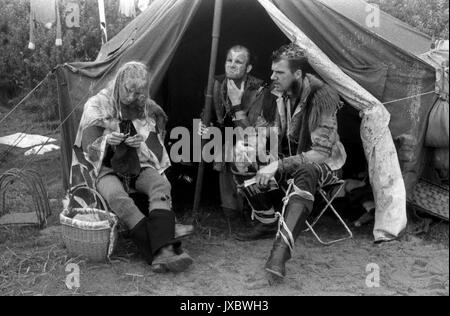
x=183 y=236
x=278 y=274
x=179 y=263
x=159 y=268
x=183 y=233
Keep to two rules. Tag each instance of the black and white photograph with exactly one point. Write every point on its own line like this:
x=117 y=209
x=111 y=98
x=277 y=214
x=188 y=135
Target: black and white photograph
x=224 y=155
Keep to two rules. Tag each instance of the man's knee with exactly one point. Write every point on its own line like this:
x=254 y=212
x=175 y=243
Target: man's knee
x=305 y=170
x=306 y=178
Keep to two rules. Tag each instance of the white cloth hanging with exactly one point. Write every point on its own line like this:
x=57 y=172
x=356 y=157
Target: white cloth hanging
x=101 y=12
x=127 y=8
x=43 y=11
x=143 y=4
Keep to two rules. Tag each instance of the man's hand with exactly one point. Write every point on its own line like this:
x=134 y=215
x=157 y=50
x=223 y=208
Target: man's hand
x=115 y=138
x=253 y=190
x=266 y=173
x=234 y=93
x=134 y=141
x=202 y=129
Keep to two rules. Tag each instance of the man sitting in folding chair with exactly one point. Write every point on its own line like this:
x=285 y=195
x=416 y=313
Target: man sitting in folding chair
x=311 y=147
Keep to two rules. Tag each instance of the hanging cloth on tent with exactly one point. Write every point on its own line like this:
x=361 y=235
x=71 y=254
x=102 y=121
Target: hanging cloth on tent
x=143 y=4
x=101 y=12
x=127 y=8
x=44 y=12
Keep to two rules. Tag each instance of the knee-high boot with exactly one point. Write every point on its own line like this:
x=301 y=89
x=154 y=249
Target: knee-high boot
x=154 y=232
x=139 y=236
x=295 y=216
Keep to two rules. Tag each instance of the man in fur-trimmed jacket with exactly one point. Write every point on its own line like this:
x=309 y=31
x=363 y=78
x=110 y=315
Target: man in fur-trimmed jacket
x=304 y=109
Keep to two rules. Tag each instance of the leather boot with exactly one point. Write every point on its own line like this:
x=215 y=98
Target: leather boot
x=140 y=237
x=258 y=231
x=153 y=233
x=295 y=215
x=278 y=256
x=183 y=231
x=170 y=259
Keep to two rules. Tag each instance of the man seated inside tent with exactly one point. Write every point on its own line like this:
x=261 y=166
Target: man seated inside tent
x=120 y=133
x=304 y=109
x=234 y=95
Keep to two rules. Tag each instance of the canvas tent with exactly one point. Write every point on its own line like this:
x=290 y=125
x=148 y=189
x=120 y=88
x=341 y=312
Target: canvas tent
x=173 y=38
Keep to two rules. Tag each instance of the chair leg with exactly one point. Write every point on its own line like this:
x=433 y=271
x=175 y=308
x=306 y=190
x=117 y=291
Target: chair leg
x=329 y=205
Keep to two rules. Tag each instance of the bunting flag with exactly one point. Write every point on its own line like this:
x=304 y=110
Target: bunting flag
x=44 y=12
x=31 y=44
x=143 y=4
x=127 y=8
x=101 y=11
x=58 y=41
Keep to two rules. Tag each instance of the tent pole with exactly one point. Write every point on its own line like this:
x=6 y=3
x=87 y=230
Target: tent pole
x=209 y=97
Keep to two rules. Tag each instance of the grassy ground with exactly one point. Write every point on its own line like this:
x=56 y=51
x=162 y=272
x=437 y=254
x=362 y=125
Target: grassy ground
x=33 y=261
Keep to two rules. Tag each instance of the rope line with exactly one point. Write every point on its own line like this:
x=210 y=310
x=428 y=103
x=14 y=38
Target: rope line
x=82 y=101
x=414 y=96
x=16 y=142
x=24 y=98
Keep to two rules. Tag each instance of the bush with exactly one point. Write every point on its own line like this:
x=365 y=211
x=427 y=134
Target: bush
x=22 y=68
x=429 y=17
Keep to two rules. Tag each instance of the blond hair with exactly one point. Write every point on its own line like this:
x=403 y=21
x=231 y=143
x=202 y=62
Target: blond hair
x=136 y=72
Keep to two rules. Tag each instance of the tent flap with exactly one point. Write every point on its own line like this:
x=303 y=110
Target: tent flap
x=384 y=168
x=386 y=26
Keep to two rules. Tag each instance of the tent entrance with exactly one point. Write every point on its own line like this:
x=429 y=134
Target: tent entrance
x=243 y=22
x=182 y=91
x=184 y=84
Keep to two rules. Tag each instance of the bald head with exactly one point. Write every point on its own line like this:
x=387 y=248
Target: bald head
x=238 y=62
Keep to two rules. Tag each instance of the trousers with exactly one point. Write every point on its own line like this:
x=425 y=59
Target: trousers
x=150 y=182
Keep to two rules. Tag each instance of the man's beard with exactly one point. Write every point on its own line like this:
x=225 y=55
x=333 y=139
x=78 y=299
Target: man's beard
x=295 y=88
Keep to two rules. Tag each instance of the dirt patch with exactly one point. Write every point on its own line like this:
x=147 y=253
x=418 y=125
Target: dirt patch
x=33 y=263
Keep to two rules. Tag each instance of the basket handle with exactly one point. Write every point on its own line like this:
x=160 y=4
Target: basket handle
x=94 y=193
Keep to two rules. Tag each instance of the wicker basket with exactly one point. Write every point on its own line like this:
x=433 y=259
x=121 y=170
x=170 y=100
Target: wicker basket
x=94 y=240
x=431 y=198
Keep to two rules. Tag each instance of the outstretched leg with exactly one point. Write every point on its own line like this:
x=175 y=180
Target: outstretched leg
x=298 y=204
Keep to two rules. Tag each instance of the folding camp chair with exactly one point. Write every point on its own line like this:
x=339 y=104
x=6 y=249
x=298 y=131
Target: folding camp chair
x=329 y=194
